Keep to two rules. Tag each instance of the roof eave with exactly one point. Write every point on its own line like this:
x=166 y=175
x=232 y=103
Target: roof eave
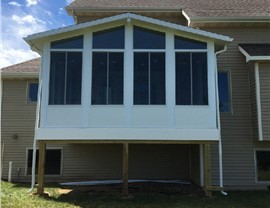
x=253 y=58
x=19 y=75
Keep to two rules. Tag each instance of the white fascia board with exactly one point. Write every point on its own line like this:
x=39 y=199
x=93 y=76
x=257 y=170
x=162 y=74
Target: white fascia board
x=35 y=37
x=128 y=134
x=253 y=58
x=229 y=19
x=19 y=75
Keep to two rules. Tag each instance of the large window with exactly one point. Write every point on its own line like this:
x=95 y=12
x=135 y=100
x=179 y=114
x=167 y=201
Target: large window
x=66 y=72
x=107 y=67
x=191 y=72
x=53 y=161
x=224 y=91
x=149 y=67
x=263 y=165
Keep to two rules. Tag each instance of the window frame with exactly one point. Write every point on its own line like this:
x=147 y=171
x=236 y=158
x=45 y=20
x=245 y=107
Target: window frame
x=191 y=51
x=149 y=51
x=255 y=165
x=228 y=71
x=29 y=82
x=108 y=51
x=47 y=175
x=49 y=75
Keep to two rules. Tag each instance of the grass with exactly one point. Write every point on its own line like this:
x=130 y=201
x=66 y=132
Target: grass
x=15 y=195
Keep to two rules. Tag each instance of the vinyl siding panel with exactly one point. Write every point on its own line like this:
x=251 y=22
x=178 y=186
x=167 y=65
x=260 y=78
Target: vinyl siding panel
x=264 y=71
x=237 y=133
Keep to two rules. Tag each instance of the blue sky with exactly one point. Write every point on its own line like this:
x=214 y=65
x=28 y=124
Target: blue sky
x=24 y=17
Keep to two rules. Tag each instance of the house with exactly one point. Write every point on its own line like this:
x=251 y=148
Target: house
x=144 y=90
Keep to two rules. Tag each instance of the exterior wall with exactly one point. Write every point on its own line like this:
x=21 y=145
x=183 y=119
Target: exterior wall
x=175 y=17
x=85 y=161
x=264 y=72
x=237 y=135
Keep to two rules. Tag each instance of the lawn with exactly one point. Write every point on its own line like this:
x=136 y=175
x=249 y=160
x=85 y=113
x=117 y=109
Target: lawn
x=16 y=195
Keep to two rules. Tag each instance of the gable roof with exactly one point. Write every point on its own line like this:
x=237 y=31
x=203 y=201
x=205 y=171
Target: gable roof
x=25 y=69
x=255 y=52
x=32 y=40
x=193 y=8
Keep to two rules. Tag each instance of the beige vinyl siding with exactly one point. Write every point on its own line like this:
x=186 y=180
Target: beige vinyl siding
x=237 y=135
x=85 y=161
x=264 y=72
x=174 y=17
x=253 y=101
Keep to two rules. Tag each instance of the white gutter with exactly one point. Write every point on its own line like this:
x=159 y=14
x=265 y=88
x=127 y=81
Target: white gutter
x=258 y=101
x=19 y=75
x=35 y=134
x=219 y=125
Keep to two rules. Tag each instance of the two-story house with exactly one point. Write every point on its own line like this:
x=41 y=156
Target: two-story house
x=144 y=90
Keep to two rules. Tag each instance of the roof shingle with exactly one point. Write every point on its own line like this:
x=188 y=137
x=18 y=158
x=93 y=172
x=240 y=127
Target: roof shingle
x=193 y=8
x=256 y=49
x=27 y=66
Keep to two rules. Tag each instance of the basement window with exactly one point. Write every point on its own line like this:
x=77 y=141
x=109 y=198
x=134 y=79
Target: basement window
x=52 y=163
x=262 y=159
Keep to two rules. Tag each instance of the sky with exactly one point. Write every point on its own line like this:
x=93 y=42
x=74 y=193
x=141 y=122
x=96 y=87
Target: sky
x=20 y=18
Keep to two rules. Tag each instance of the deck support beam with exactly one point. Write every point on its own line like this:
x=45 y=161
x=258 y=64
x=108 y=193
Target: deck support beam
x=41 y=167
x=207 y=170
x=125 y=170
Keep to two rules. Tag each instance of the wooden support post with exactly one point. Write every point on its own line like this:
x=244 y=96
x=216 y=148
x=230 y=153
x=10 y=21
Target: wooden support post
x=41 y=167
x=207 y=170
x=125 y=170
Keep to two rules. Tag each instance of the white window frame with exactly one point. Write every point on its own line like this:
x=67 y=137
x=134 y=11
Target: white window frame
x=49 y=148
x=255 y=165
x=228 y=71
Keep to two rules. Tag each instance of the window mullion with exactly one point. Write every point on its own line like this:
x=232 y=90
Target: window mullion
x=108 y=71
x=65 y=88
x=191 y=80
x=149 y=78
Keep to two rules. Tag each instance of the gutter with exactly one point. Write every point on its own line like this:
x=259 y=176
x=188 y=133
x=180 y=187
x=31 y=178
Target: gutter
x=19 y=75
x=219 y=125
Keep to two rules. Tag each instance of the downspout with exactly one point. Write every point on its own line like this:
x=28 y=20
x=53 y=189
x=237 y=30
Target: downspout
x=219 y=125
x=35 y=133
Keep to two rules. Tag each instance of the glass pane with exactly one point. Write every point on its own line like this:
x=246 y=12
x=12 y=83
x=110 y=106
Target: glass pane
x=57 y=78
x=157 y=78
x=185 y=43
x=199 y=79
x=148 y=39
x=52 y=165
x=99 y=78
x=223 y=89
x=33 y=91
x=116 y=78
x=74 y=78
x=74 y=43
x=141 y=79
x=183 y=79
x=263 y=165
x=109 y=39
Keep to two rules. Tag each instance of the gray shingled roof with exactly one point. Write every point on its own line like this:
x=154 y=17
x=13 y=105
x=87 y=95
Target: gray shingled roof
x=27 y=66
x=193 y=8
x=256 y=49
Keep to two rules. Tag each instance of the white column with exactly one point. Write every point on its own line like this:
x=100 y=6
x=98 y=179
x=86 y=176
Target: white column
x=170 y=78
x=128 y=73
x=258 y=101
x=86 y=78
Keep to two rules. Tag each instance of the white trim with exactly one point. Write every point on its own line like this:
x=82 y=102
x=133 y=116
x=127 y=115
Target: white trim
x=128 y=73
x=38 y=36
x=66 y=50
x=258 y=101
x=191 y=50
x=86 y=79
x=255 y=165
x=128 y=134
x=253 y=58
